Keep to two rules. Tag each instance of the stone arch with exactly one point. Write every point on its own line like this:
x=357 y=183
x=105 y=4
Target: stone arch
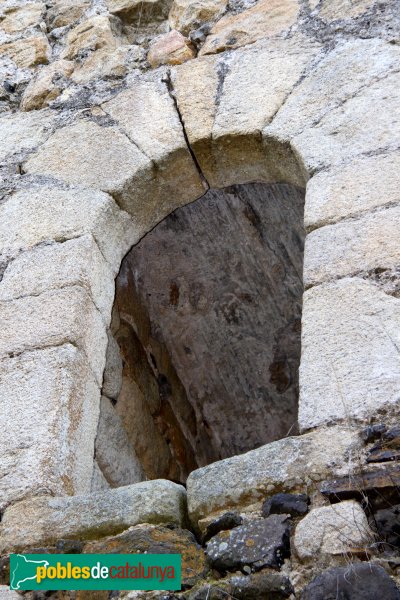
x=150 y=150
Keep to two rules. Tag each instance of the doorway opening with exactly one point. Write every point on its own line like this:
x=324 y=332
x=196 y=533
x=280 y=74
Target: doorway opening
x=207 y=319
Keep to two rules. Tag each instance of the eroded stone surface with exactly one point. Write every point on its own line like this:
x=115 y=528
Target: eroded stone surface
x=49 y=408
x=283 y=464
x=92 y=34
x=336 y=529
x=19 y=18
x=65 y=12
x=186 y=15
x=341 y=135
x=45 y=520
x=335 y=79
x=365 y=244
x=350 y=337
x=139 y=13
x=114 y=454
x=21 y=133
x=76 y=262
x=349 y=190
x=112 y=378
x=53 y=318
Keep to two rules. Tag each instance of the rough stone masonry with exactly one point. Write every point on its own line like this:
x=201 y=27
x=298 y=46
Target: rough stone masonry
x=113 y=115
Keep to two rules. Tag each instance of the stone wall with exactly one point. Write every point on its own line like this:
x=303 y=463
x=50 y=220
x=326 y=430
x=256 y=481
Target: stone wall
x=115 y=114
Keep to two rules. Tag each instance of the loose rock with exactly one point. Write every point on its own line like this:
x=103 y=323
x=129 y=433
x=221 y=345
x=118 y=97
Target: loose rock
x=27 y=52
x=259 y=543
x=186 y=15
x=362 y=581
x=226 y=521
x=265 y=585
x=170 y=49
x=44 y=88
x=337 y=529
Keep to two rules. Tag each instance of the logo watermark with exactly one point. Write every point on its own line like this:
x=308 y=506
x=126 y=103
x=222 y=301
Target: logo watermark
x=95 y=572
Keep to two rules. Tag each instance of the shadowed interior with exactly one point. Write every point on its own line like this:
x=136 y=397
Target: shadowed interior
x=207 y=317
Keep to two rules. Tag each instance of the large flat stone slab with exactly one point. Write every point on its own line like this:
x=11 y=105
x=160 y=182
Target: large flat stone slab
x=49 y=407
x=44 y=520
x=350 y=353
x=282 y=465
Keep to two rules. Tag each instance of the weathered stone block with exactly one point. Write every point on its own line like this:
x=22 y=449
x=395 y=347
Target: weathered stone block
x=44 y=520
x=99 y=482
x=333 y=10
x=76 y=262
x=22 y=133
x=27 y=52
x=102 y=64
x=54 y=318
x=18 y=18
x=99 y=31
x=335 y=79
x=172 y=48
x=114 y=453
x=267 y=18
x=85 y=153
x=186 y=15
x=341 y=135
x=42 y=89
x=350 y=362
x=49 y=406
x=353 y=246
x=42 y=214
x=147 y=114
x=65 y=12
x=139 y=12
x=336 y=529
x=350 y=190
x=281 y=465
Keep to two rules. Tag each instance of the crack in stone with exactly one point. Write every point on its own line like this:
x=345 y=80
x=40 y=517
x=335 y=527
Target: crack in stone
x=170 y=88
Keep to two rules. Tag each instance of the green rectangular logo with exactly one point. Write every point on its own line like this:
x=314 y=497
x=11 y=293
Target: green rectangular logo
x=95 y=571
